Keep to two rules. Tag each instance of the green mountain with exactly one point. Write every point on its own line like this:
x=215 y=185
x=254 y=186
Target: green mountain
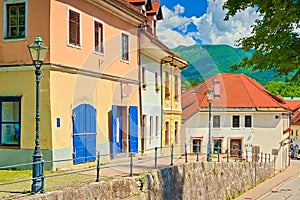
x=208 y=60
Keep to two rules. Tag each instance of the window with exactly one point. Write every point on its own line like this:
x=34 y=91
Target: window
x=176 y=88
x=167 y=85
x=157 y=125
x=144 y=84
x=236 y=121
x=248 y=121
x=151 y=128
x=15 y=20
x=125 y=47
x=217 y=146
x=176 y=133
x=156 y=82
x=216 y=121
x=167 y=127
x=10 y=118
x=98 y=34
x=196 y=145
x=74 y=28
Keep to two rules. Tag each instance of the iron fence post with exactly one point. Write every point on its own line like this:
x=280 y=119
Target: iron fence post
x=131 y=164
x=227 y=155
x=155 y=158
x=218 y=156
x=246 y=155
x=98 y=167
x=261 y=157
x=172 y=151
x=269 y=158
x=43 y=177
x=266 y=158
x=197 y=159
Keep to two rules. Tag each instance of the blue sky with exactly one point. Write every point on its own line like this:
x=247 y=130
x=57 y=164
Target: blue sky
x=187 y=22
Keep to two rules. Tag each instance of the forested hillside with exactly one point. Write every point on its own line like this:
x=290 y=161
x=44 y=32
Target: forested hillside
x=208 y=60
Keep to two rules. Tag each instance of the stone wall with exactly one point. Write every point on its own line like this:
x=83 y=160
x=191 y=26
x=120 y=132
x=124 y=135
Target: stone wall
x=200 y=180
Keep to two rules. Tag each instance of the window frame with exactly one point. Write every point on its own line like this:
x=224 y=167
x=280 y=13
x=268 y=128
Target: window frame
x=219 y=121
x=5 y=30
x=246 y=121
x=10 y=99
x=167 y=84
x=217 y=150
x=176 y=86
x=193 y=146
x=126 y=60
x=233 y=121
x=151 y=129
x=68 y=28
x=102 y=39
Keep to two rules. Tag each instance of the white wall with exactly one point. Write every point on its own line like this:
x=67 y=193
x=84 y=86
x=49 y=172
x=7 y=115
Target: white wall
x=266 y=132
x=151 y=101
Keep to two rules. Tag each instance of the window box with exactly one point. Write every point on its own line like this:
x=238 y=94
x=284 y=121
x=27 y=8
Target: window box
x=144 y=86
x=157 y=88
x=167 y=95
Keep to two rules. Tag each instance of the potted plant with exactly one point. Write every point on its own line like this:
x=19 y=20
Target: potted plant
x=176 y=96
x=167 y=95
x=144 y=85
x=157 y=88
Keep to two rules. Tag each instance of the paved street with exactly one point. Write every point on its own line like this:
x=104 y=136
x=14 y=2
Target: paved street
x=285 y=185
x=290 y=189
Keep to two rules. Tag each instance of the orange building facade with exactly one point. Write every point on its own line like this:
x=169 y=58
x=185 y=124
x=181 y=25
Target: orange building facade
x=90 y=86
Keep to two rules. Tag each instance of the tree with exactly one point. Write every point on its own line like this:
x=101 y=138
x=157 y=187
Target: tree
x=275 y=36
x=283 y=88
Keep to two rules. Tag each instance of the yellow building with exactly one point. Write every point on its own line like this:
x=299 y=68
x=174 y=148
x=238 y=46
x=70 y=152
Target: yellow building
x=171 y=98
x=90 y=86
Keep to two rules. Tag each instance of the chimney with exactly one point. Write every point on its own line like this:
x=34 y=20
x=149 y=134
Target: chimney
x=216 y=88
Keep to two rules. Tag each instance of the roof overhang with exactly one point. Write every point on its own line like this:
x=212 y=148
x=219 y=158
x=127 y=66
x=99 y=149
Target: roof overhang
x=122 y=10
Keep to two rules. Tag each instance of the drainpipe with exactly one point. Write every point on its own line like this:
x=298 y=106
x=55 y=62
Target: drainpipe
x=139 y=76
x=161 y=101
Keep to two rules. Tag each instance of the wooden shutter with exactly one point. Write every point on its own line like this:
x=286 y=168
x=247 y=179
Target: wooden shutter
x=74 y=28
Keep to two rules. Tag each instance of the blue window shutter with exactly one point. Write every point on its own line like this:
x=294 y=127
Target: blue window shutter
x=114 y=113
x=133 y=128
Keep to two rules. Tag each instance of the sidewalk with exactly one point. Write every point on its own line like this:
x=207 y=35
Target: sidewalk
x=269 y=184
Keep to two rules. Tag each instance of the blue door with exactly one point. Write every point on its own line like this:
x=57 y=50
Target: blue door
x=133 y=129
x=84 y=133
x=117 y=130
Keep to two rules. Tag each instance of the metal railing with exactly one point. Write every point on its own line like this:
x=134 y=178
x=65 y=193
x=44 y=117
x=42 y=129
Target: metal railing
x=148 y=159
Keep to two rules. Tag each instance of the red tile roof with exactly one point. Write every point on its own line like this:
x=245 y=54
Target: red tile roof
x=236 y=91
x=155 y=7
x=293 y=104
x=136 y=1
x=295 y=119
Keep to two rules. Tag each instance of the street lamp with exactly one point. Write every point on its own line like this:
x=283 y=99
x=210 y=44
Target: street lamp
x=38 y=52
x=210 y=96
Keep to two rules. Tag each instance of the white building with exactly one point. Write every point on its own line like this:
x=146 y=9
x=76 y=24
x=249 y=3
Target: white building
x=243 y=115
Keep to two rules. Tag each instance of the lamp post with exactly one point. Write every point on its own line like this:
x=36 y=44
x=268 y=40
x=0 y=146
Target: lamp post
x=38 y=52
x=209 y=96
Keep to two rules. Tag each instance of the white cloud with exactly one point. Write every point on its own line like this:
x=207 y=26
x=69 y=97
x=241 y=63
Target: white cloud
x=212 y=29
x=173 y=39
x=174 y=20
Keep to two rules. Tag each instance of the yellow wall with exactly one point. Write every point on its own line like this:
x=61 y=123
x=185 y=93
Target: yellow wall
x=71 y=90
x=20 y=81
x=171 y=106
